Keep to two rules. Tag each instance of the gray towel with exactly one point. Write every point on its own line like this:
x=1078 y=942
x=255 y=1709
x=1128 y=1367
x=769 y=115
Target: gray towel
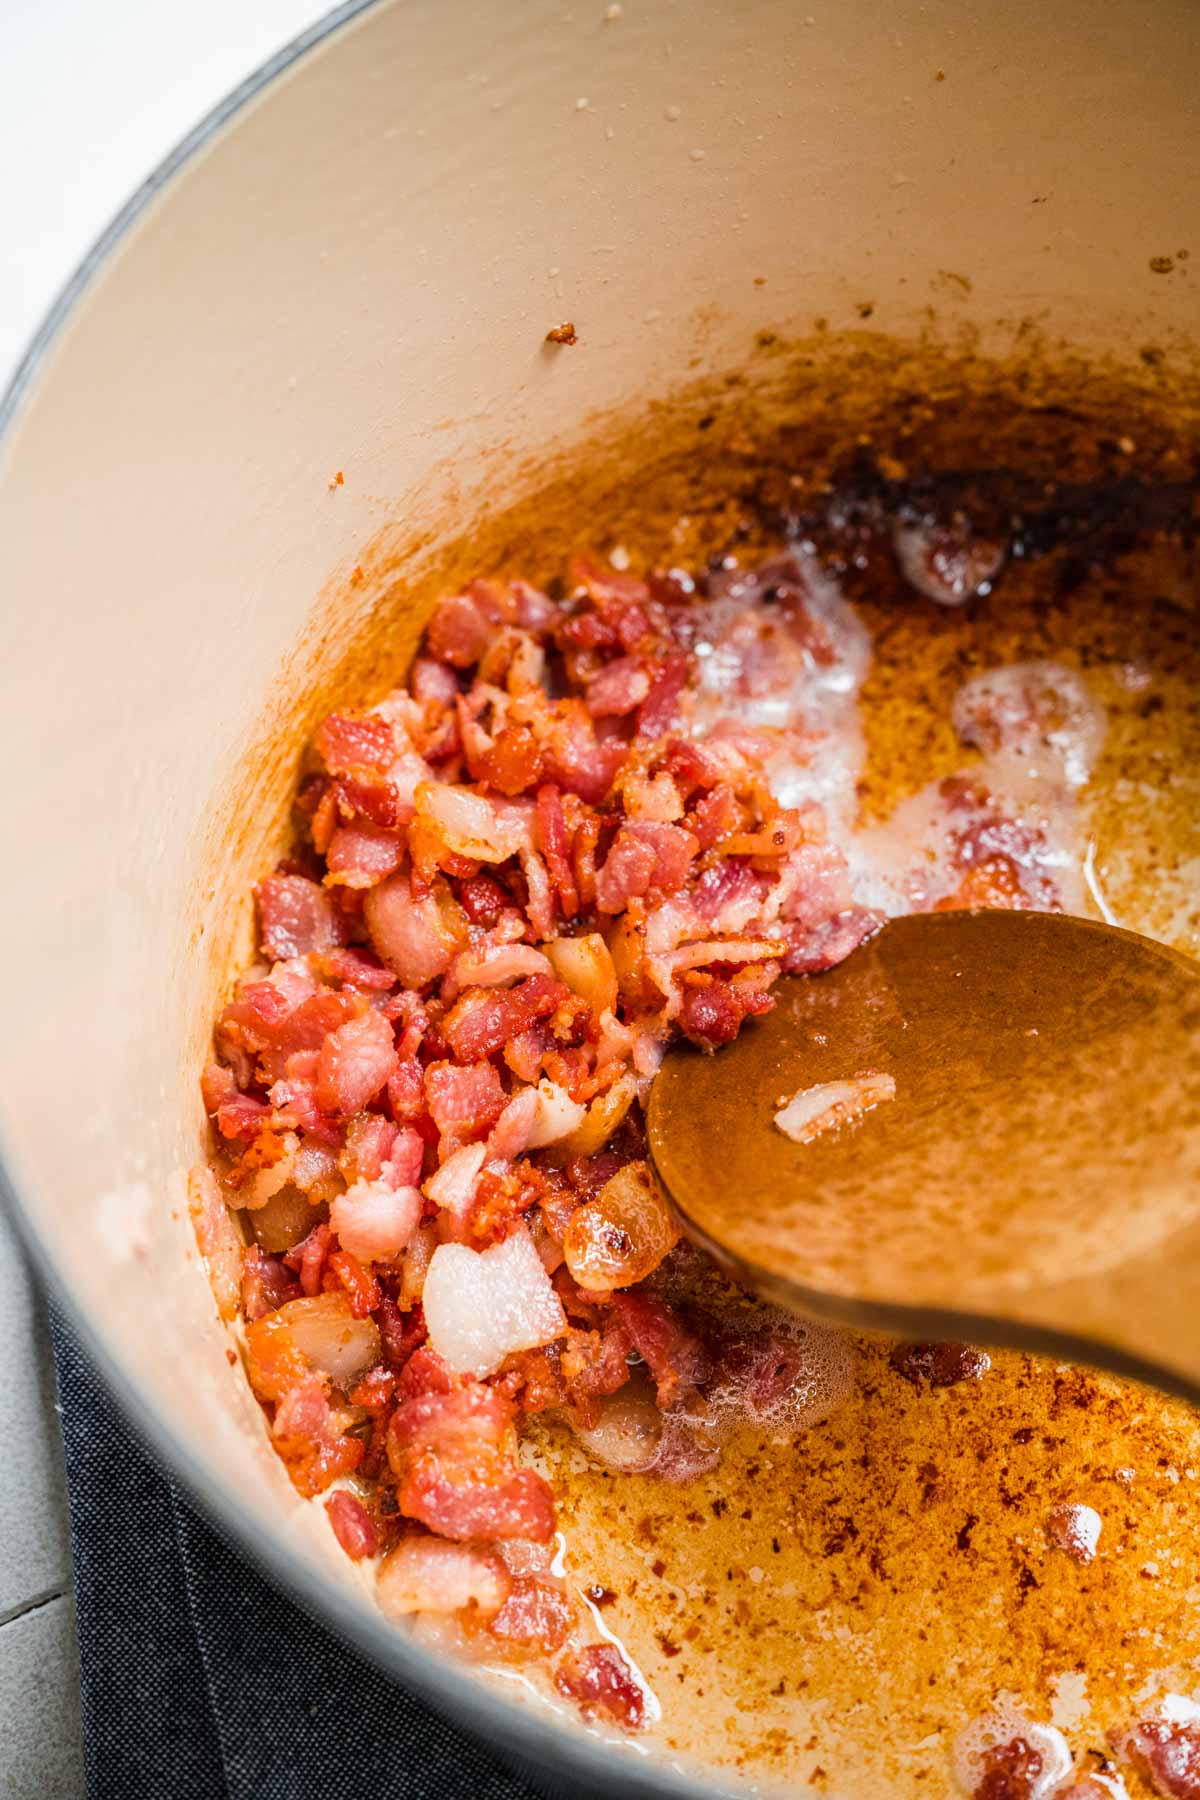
x=199 y=1681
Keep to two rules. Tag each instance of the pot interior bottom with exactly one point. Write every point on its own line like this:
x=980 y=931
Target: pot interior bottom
x=830 y=1609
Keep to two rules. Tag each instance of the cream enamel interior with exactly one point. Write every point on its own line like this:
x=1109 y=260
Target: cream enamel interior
x=356 y=273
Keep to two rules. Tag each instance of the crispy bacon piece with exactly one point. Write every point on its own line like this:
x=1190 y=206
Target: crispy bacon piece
x=675 y=1356
x=1010 y=1771
x=452 y=1455
x=306 y=1436
x=462 y=627
x=296 y=917
x=645 y=854
x=464 y=1101
x=401 y=1333
x=416 y=935
x=269 y=1023
x=945 y=560
x=361 y=1287
x=309 y=1257
x=603 y=1684
x=354 y=1064
x=1166 y=1754
x=619 y=688
x=427 y=1575
x=362 y=854
x=352 y=1525
x=712 y=1008
x=536 y=1616
x=552 y=842
x=348 y=743
x=939 y=1365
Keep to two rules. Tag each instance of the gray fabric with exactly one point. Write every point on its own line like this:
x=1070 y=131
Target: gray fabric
x=198 y=1679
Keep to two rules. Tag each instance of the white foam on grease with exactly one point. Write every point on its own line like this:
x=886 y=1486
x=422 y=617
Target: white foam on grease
x=1004 y=1723
x=1040 y=731
x=824 y=1380
x=756 y=672
x=1042 y=713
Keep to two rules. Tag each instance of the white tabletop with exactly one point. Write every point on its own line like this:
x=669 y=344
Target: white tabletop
x=92 y=94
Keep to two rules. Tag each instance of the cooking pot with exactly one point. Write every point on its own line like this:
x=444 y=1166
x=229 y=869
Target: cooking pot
x=310 y=353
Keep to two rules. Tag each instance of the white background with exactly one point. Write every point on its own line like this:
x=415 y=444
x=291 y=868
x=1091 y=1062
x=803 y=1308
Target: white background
x=92 y=94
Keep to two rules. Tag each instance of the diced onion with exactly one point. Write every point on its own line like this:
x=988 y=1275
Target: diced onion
x=429 y=1575
x=585 y=965
x=330 y=1338
x=622 y=1235
x=557 y=1115
x=469 y=824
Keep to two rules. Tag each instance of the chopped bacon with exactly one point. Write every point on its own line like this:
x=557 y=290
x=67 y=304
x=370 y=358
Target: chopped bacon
x=483 y=899
x=514 y=1503
x=450 y=1454
x=432 y=682
x=516 y=878
x=482 y=1021
x=833 y=1105
x=406 y=1091
x=945 y=560
x=373 y=1221
x=462 y=627
x=511 y=763
x=715 y=815
x=427 y=1575
x=308 y=1259
x=296 y=917
x=354 y=1064
x=360 y=855
x=940 y=1365
x=619 y=688
x=575 y=761
x=603 y=1684
x=823 y=946
x=1010 y=1771
x=674 y=1355
x=711 y=1014
x=416 y=936
x=264 y=1021
x=357 y=969
x=424 y=1372
x=361 y=1287
x=510 y=1134
x=552 y=841
x=401 y=1333
x=464 y=1101
x=352 y=1525
x=626 y=872
x=660 y=708
x=536 y=1616
x=347 y=743
x=645 y=854
x=1166 y=1753
x=306 y=1437
x=238 y=1115
x=370 y=1141
x=498 y=965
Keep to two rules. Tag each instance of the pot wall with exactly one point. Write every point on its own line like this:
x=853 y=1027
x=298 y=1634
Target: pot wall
x=356 y=274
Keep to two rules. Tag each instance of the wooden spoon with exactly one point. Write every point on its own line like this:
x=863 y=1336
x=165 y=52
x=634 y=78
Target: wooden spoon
x=1036 y=1178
